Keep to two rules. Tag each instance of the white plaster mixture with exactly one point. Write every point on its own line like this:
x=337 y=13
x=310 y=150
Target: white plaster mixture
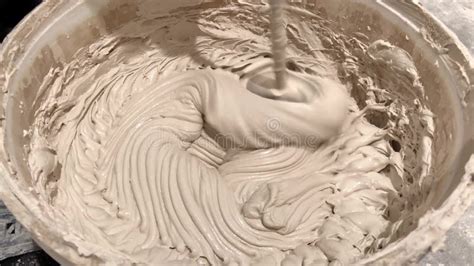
x=154 y=144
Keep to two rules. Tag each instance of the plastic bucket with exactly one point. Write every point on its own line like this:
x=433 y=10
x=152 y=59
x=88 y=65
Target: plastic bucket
x=53 y=32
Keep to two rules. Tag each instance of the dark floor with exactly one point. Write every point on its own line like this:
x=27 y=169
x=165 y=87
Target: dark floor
x=12 y=11
x=37 y=258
